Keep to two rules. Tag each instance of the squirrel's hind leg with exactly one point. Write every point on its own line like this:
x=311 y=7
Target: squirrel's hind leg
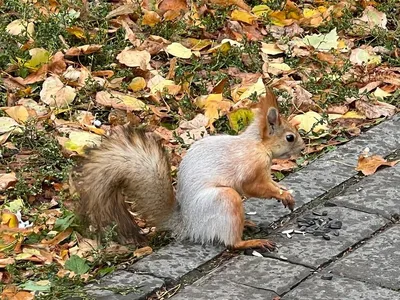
x=235 y=223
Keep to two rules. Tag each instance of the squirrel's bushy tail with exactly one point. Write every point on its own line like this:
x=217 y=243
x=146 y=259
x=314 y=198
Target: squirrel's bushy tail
x=128 y=170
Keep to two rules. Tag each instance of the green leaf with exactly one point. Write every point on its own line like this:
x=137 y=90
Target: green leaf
x=42 y=285
x=107 y=270
x=65 y=222
x=77 y=264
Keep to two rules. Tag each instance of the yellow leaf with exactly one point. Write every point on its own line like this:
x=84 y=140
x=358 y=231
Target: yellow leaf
x=178 y=50
x=151 y=18
x=258 y=88
x=9 y=219
x=240 y=119
x=311 y=121
x=260 y=10
x=214 y=106
x=280 y=66
x=161 y=85
x=353 y=115
x=278 y=18
x=243 y=16
x=18 y=113
x=27 y=253
x=78 y=141
x=309 y=13
x=379 y=93
x=76 y=31
x=137 y=84
x=197 y=45
x=39 y=56
x=120 y=101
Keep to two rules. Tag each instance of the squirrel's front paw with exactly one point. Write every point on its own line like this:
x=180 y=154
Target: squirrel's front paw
x=287 y=199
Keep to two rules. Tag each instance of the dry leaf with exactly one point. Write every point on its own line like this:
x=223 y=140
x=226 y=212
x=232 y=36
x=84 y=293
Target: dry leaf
x=151 y=18
x=83 y=50
x=283 y=165
x=55 y=94
x=173 y=5
x=178 y=50
x=6 y=180
x=243 y=16
x=18 y=27
x=137 y=84
x=18 y=113
x=135 y=58
x=369 y=164
x=120 y=101
x=374 y=110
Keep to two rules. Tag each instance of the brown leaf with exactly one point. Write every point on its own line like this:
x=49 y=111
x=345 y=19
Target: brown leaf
x=58 y=238
x=283 y=165
x=369 y=164
x=6 y=180
x=174 y=5
x=225 y=3
x=375 y=110
x=57 y=63
x=143 y=251
x=39 y=75
x=83 y=50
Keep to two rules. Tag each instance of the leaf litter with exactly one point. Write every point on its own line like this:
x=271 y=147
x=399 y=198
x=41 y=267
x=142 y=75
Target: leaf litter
x=70 y=73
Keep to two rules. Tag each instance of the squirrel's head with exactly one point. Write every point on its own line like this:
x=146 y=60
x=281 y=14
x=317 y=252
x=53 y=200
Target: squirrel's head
x=281 y=137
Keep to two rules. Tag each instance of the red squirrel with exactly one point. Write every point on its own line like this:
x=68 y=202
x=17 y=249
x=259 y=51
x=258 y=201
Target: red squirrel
x=131 y=169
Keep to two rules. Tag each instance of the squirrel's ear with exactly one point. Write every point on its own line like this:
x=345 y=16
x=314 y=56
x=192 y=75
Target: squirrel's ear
x=273 y=119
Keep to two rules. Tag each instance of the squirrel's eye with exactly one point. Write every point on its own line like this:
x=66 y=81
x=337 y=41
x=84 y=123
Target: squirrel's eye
x=290 y=138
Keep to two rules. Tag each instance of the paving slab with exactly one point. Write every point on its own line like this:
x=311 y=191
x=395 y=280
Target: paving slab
x=175 y=260
x=378 y=193
x=339 y=288
x=247 y=276
x=377 y=261
x=314 y=251
x=327 y=172
x=123 y=285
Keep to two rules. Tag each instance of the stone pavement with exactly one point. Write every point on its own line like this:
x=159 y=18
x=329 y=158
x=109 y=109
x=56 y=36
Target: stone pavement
x=361 y=262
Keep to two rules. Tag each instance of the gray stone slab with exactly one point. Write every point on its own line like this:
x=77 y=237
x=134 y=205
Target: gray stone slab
x=176 y=259
x=327 y=172
x=247 y=276
x=339 y=288
x=313 y=250
x=377 y=261
x=378 y=193
x=123 y=285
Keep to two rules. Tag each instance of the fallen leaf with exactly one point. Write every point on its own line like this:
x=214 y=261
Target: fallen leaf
x=283 y=165
x=19 y=27
x=214 y=106
x=379 y=93
x=238 y=3
x=39 y=56
x=173 y=5
x=243 y=16
x=369 y=164
x=125 y=9
x=137 y=84
x=58 y=238
x=55 y=94
x=151 y=18
x=135 y=58
x=143 y=251
x=79 y=141
x=374 y=17
x=256 y=89
x=322 y=42
x=364 y=57
x=18 y=113
x=374 y=110
x=240 y=118
x=178 y=50
x=83 y=50
x=311 y=122
x=9 y=125
x=8 y=218
x=120 y=101
x=76 y=31
x=270 y=49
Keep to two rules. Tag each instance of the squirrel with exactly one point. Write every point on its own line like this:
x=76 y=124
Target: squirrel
x=130 y=169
